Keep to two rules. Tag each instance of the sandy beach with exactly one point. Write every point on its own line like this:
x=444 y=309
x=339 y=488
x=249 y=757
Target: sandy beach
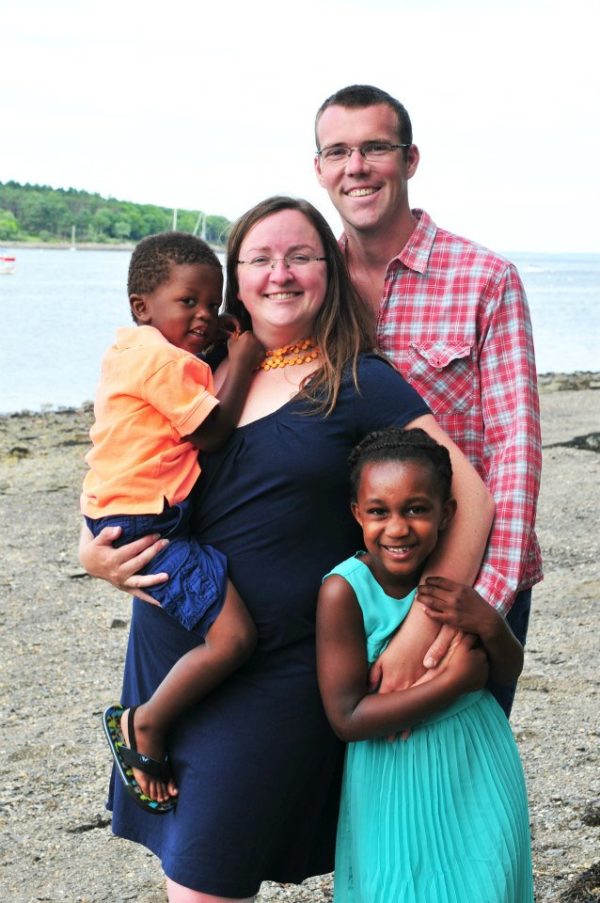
x=63 y=644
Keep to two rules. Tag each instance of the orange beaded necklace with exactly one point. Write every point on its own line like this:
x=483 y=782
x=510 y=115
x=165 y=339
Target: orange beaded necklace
x=288 y=355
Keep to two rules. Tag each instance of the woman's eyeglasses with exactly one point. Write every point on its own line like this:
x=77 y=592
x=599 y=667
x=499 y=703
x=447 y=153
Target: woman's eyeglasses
x=292 y=261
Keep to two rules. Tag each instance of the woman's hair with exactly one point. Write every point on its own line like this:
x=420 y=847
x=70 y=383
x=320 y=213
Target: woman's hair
x=394 y=444
x=344 y=326
x=153 y=257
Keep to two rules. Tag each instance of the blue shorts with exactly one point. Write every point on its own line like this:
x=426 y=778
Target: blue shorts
x=197 y=584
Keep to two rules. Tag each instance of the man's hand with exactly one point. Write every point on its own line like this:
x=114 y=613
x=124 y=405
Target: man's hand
x=392 y=671
x=401 y=664
x=440 y=646
x=466 y=663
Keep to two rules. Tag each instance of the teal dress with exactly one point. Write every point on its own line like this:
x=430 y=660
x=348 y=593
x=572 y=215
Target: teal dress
x=441 y=817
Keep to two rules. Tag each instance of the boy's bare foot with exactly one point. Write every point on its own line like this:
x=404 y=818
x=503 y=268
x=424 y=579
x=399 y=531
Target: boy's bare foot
x=148 y=742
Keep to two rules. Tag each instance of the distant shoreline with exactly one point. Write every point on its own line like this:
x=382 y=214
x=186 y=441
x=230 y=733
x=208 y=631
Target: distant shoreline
x=83 y=246
x=579 y=381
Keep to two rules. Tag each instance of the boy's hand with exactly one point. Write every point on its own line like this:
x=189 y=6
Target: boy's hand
x=244 y=350
x=227 y=326
x=457 y=605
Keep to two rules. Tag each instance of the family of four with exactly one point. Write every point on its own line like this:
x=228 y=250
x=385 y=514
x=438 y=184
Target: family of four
x=330 y=541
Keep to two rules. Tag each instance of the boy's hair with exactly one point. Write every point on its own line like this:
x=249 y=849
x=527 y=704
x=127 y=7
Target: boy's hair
x=394 y=444
x=360 y=96
x=153 y=257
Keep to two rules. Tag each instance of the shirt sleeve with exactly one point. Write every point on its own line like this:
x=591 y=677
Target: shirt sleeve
x=384 y=397
x=512 y=438
x=182 y=391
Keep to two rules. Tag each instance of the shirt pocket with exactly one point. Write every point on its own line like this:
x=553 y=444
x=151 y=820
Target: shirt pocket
x=444 y=373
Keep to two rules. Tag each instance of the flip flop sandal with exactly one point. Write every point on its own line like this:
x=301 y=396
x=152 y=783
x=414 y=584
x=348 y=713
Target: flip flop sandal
x=127 y=758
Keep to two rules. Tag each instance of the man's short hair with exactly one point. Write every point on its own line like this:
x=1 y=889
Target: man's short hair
x=360 y=96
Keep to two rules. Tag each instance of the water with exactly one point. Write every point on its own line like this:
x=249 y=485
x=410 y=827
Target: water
x=61 y=309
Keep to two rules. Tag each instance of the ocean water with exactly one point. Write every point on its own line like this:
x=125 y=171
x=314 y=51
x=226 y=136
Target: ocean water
x=60 y=310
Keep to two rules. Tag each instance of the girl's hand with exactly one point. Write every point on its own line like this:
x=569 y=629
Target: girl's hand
x=120 y=566
x=462 y=607
x=458 y=606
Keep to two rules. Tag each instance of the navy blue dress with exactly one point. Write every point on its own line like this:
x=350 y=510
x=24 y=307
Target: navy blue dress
x=257 y=764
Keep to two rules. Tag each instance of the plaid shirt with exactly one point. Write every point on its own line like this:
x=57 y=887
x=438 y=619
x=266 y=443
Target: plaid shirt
x=454 y=319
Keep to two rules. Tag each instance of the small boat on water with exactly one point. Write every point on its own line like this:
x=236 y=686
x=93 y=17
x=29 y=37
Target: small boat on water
x=8 y=264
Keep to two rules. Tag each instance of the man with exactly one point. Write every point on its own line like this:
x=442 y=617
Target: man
x=453 y=317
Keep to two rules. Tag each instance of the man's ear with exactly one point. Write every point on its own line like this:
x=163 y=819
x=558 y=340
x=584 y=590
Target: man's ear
x=317 y=165
x=448 y=512
x=412 y=160
x=139 y=309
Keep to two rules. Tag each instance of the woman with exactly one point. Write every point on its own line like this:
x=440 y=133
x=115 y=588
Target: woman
x=256 y=763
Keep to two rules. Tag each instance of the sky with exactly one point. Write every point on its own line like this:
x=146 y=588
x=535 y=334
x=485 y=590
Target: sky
x=211 y=106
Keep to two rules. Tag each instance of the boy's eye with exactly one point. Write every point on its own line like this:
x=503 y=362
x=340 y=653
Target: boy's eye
x=188 y=302
x=377 y=512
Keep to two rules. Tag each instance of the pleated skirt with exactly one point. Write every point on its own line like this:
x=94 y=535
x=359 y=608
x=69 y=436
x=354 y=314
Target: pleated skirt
x=439 y=818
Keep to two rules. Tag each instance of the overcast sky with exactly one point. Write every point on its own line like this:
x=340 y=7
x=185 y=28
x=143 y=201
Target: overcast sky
x=210 y=106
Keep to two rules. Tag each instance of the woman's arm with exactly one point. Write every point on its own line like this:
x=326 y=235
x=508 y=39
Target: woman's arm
x=355 y=714
x=457 y=556
x=120 y=566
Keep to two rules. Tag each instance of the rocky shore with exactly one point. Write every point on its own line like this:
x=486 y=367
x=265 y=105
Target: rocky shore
x=63 y=647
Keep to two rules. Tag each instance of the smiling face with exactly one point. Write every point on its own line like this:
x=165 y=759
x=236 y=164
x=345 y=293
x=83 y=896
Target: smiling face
x=185 y=307
x=401 y=512
x=370 y=196
x=282 y=301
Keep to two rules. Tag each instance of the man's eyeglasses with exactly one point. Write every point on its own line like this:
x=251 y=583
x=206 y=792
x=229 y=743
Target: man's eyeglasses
x=370 y=150
x=292 y=261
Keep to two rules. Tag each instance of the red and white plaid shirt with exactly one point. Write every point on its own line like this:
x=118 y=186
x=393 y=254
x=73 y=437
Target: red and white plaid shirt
x=454 y=319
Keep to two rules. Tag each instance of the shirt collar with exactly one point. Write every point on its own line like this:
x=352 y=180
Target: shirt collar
x=415 y=253
x=129 y=336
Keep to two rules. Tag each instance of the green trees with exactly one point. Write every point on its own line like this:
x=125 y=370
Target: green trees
x=9 y=227
x=30 y=212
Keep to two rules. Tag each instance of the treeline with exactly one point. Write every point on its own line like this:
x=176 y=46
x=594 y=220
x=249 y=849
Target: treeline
x=40 y=213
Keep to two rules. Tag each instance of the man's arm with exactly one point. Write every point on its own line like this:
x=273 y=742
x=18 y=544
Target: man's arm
x=512 y=439
x=512 y=455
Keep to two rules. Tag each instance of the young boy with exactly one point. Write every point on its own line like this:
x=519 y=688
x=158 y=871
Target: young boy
x=154 y=409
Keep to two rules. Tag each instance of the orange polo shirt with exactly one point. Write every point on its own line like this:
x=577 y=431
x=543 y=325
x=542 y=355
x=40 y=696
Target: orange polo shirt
x=151 y=394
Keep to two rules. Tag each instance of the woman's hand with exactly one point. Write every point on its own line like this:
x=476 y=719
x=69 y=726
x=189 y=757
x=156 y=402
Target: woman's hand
x=120 y=566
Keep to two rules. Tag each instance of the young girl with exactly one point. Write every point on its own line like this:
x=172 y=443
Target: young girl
x=439 y=813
